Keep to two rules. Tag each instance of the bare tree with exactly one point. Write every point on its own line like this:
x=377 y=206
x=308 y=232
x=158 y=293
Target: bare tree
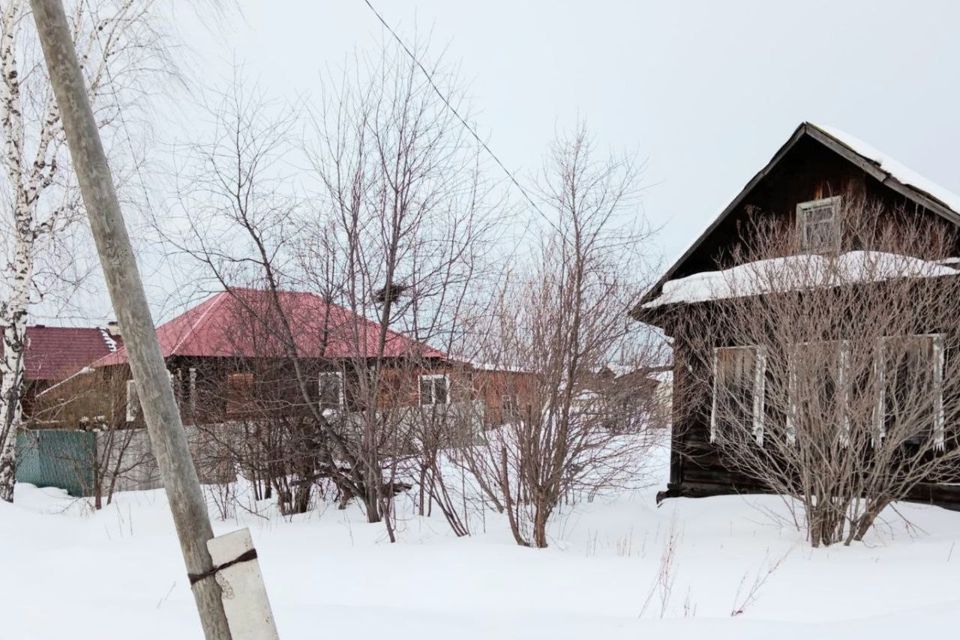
x=116 y=44
x=238 y=201
x=389 y=236
x=833 y=377
x=405 y=244
x=562 y=323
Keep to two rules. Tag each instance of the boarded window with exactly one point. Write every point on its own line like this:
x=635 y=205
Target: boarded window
x=738 y=390
x=133 y=402
x=434 y=389
x=239 y=393
x=331 y=390
x=819 y=389
x=818 y=225
x=910 y=404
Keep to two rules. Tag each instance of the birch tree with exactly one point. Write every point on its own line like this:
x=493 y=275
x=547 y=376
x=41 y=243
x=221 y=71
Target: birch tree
x=117 y=47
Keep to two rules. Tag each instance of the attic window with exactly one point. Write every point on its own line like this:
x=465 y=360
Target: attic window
x=818 y=225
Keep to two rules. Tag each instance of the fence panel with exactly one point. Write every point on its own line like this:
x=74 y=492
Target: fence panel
x=57 y=458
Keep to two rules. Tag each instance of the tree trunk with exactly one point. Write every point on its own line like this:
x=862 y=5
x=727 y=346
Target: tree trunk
x=540 y=518
x=302 y=497
x=371 y=504
x=11 y=365
x=862 y=525
x=510 y=506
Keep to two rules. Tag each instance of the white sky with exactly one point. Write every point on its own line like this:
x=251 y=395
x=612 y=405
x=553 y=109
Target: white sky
x=704 y=91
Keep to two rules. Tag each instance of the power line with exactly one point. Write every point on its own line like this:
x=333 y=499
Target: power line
x=453 y=110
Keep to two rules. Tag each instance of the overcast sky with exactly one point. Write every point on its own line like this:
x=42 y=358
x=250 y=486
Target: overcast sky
x=704 y=92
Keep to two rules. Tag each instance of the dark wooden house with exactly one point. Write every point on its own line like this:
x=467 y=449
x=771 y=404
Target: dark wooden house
x=241 y=351
x=801 y=184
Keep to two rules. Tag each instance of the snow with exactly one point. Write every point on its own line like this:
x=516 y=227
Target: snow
x=108 y=339
x=792 y=273
x=501 y=367
x=892 y=167
x=117 y=573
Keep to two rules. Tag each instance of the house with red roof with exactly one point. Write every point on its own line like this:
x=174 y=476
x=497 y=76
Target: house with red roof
x=242 y=363
x=53 y=354
x=243 y=351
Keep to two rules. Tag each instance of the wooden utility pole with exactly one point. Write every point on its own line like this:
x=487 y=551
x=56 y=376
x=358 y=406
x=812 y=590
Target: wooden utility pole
x=160 y=411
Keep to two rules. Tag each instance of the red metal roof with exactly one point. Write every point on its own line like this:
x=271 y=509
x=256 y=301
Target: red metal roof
x=246 y=323
x=55 y=353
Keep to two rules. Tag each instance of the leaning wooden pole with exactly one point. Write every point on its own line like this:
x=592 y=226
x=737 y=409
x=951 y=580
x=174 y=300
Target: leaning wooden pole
x=160 y=411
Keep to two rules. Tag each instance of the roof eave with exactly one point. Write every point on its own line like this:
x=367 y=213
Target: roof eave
x=778 y=156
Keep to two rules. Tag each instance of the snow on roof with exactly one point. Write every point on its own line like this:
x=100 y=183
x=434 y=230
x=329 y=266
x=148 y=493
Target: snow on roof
x=896 y=171
x=108 y=339
x=902 y=173
x=501 y=367
x=793 y=273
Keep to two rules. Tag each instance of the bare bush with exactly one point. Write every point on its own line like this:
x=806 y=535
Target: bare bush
x=561 y=323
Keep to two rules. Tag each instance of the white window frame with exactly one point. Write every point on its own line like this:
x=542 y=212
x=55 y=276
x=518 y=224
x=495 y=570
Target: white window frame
x=192 y=391
x=804 y=208
x=133 y=401
x=176 y=382
x=844 y=365
x=938 y=362
x=759 y=390
x=340 y=392
x=508 y=400
x=433 y=377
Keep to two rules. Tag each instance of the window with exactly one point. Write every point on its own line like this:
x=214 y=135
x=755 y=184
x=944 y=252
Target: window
x=434 y=389
x=192 y=391
x=819 y=390
x=239 y=393
x=133 y=401
x=739 y=381
x=910 y=376
x=331 y=390
x=510 y=407
x=818 y=224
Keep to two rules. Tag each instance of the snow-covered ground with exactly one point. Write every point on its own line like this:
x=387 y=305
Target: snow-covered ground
x=70 y=573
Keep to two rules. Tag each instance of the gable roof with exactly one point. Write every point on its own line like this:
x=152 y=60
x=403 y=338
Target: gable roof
x=56 y=353
x=878 y=165
x=243 y=323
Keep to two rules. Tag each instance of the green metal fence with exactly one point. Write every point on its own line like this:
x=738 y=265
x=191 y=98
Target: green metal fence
x=55 y=458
